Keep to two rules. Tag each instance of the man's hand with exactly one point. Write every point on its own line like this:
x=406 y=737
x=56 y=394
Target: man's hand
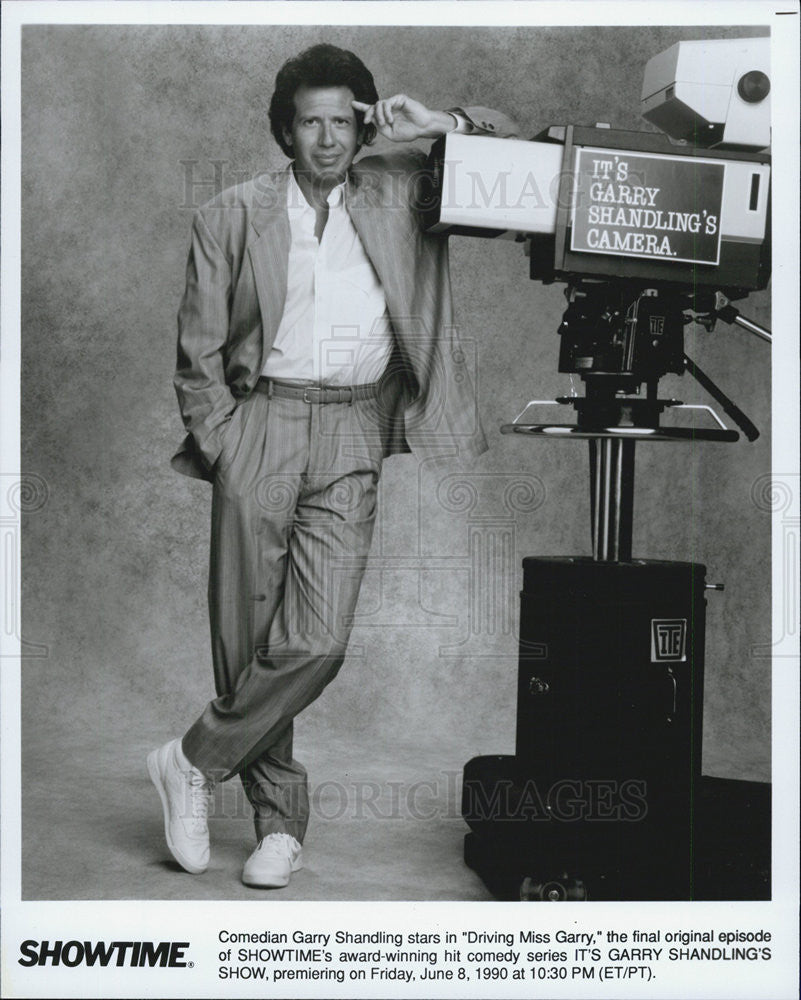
x=402 y=119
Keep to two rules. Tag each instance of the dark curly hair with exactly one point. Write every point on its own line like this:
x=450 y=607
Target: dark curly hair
x=320 y=66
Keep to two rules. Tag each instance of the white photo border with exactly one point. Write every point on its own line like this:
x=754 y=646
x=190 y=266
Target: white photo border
x=199 y=922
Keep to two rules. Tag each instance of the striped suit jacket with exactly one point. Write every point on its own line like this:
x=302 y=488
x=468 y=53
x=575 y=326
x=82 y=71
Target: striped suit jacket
x=236 y=287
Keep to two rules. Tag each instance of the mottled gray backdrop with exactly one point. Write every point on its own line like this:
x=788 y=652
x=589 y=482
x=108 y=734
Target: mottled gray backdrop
x=120 y=124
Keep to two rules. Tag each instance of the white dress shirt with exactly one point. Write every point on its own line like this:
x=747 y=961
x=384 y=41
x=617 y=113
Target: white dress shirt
x=335 y=328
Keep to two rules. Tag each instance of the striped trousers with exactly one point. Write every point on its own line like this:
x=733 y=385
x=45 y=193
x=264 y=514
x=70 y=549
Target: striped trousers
x=293 y=510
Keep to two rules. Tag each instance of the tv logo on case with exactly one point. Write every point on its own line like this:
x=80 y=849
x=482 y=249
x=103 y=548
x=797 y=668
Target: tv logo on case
x=668 y=639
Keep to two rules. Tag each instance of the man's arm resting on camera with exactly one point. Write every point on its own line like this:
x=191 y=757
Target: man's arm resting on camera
x=403 y=119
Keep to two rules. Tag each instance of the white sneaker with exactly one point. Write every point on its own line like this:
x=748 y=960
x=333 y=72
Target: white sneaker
x=185 y=794
x=273 y=861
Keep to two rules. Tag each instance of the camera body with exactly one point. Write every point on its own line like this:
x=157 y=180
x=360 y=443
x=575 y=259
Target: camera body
x=689 y=208
x=611 y=204
x=633 y=206
x=645 y=228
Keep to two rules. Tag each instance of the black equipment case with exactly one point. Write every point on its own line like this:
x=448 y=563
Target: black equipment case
x=598 y=800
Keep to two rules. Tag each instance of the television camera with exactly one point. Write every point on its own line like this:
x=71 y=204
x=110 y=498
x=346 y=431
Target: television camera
x=649 y=232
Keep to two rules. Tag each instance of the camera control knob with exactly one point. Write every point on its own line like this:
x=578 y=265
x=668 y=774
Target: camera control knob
x=753 y=86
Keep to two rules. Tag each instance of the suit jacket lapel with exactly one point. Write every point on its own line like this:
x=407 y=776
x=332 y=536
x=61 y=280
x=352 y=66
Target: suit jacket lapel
x=373 y=223
x=269 y=252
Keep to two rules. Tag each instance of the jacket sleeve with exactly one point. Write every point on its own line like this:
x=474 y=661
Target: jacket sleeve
x=486 y=121
x=205 y=401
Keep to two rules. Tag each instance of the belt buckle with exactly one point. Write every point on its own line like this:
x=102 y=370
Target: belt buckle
x=311 y=388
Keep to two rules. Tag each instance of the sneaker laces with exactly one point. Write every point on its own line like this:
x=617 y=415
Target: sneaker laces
x=278 y=845
x=200 y=789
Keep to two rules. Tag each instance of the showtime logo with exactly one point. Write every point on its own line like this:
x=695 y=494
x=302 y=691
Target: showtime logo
x=134 y=954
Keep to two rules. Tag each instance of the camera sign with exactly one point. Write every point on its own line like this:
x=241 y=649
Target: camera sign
x=647 y=205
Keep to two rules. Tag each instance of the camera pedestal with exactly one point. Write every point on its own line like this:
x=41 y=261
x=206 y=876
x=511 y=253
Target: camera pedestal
x=599 y=799
x=649 y=235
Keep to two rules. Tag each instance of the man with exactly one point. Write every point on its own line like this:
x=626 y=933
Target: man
x=315 y=338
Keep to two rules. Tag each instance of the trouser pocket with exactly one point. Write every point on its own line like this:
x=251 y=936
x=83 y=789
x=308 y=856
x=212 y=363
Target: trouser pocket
x=235 y=434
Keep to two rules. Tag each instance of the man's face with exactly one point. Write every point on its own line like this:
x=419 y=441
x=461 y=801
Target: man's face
x=324 y=135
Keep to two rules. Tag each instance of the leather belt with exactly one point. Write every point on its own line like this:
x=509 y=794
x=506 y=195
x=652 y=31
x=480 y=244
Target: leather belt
x=310 y=393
